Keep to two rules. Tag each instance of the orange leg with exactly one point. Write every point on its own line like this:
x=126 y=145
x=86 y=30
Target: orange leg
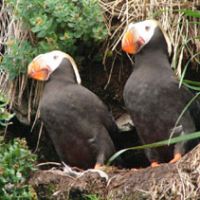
x=177 y=157
x=155 y=164
x=134 y=169
x=98 y=166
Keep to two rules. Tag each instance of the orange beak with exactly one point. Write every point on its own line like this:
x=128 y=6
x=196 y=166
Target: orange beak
x=131 y=43
x=38 y=71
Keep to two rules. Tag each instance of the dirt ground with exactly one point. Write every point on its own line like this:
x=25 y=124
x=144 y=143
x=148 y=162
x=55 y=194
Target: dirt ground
x=168 y=181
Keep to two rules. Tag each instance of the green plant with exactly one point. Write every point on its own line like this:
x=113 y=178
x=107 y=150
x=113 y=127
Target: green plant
x=91 y=197
x=73 y=26
x=20 y=54
x=5 y=116
x=16 y=165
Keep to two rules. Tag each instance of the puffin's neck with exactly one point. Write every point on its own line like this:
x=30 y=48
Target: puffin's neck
x=152 y=58
x=64 y=73
x=155 y=52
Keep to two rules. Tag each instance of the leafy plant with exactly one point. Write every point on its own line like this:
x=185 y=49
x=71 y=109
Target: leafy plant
x=5 y=116
x=73 y=26
x=16 y=165
x=20 y=54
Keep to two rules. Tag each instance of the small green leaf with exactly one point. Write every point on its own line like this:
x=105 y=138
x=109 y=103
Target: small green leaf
x=192 y=13
x=191 y=86
x=195 y=83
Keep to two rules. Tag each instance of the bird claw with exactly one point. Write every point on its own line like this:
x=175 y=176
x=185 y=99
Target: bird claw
x=69 y=171
x=177 y=157
x=155 y=164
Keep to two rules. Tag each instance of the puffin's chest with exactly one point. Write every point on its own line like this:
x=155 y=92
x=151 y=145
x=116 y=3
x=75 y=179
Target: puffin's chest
x=143 y=91
x=147 y=95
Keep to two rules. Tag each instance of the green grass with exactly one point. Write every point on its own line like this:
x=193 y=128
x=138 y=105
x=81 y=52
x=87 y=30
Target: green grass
x=91 y=197
x=174 y=140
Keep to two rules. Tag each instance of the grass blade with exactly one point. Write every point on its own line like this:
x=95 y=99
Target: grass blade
x=174 y=140
x=192 y=13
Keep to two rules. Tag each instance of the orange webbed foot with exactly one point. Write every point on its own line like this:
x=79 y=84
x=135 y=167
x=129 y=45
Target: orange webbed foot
x=177 y=157
x=134 y=169
x=155 y=164
x=98 y=166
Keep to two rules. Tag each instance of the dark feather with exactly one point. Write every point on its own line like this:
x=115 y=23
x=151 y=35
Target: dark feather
x=77 y=121
x=154 y=100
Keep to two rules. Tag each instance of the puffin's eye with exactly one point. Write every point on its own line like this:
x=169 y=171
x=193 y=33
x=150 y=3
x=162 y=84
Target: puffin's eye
x=55 y=57
x=147 y=28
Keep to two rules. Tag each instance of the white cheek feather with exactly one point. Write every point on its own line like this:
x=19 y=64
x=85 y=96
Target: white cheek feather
x=77 y=75
x=140 y=27
x=54 y=63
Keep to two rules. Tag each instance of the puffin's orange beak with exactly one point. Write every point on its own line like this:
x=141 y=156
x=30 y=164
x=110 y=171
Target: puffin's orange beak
x=38 y=71
x=131 y=43
x=128 y=43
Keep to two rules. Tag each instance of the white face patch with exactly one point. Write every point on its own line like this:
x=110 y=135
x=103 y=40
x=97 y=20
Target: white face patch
x=53 y=60
x=146 y=30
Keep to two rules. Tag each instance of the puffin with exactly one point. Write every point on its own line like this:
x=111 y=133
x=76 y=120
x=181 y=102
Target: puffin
x=152 y=94
x=77 y=121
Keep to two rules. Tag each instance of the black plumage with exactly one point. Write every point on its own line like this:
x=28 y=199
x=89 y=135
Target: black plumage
x=153 y=97
x=76 y=120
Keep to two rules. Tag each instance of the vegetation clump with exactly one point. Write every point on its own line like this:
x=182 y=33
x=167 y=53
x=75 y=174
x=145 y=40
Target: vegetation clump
x=16 y=162
x=16 y=165
x=73 y=26
x=5 y=115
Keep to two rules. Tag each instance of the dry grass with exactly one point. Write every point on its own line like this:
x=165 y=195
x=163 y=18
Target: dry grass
x=15 y=89
x=185 y=185
x=178 y=181
x=119 y=13
x=4 y=21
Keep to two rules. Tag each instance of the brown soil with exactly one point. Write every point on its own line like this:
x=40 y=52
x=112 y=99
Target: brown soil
x=169 y=181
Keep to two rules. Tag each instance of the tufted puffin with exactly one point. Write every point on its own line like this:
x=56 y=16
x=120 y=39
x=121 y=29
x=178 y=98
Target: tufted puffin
x=77 y=121
x=152 y=95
